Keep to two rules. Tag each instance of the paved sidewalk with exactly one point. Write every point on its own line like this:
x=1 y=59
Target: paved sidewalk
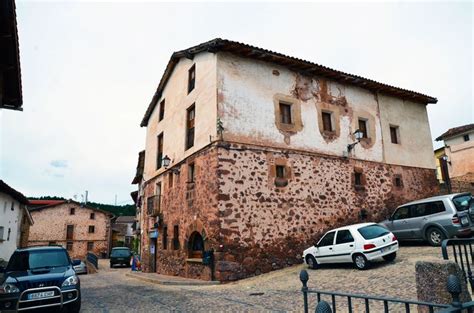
x=169 y=280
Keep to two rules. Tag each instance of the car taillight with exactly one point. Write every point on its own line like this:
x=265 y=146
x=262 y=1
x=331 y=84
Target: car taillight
x=394 y=238
x=455 y=220
x=369 y=246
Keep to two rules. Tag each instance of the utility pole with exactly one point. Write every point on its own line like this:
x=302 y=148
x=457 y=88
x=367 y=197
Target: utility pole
x=115 y=199
x=87 y=194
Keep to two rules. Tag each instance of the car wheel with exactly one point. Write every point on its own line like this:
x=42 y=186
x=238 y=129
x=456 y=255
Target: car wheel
x=435 y=237
x=361 y=262
x=390 y=257
x=311 y=261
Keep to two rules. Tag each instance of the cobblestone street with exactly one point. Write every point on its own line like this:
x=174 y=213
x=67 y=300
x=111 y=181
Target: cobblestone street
x=111 y=291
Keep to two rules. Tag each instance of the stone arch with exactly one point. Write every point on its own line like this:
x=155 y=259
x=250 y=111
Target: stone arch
x=196 y=239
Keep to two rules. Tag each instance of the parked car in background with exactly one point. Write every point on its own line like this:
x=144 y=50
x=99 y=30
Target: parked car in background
x=120 y=256
x=81 y=268
x=40 y=277
x=359 y=244
x=433 y=219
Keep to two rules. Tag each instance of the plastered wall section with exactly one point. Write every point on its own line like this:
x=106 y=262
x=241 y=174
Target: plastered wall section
x=177 y=101
x=9 y=219
x=51 y=226
x=415 y=147
x=461 y=156
x=247 y=90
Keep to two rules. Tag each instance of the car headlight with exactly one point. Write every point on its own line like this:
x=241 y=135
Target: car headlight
x=70 y=281
x=8 y=288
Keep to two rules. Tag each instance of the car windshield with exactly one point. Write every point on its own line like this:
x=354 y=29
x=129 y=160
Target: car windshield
x=463 y=202
x=28 y=260
x=373 y=231
x=120 y=252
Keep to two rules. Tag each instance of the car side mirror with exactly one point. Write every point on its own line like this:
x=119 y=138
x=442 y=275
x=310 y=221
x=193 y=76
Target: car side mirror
x=76 y=262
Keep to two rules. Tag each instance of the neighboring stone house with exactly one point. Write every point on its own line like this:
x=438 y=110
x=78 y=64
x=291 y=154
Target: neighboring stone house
x=77 y=227
x=15 y=220
x=10 y=73
x=250 y=153
x=459 y=160
x=123 y=233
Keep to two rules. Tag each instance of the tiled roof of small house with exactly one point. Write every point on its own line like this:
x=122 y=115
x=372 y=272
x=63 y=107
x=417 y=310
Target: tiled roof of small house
x=140 y=167
x=455 y=131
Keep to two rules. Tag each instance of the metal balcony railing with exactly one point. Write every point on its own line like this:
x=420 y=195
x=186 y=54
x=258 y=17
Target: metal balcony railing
x=153 y=205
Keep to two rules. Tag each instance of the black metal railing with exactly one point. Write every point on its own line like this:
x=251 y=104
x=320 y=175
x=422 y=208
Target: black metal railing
x=462 y=254
x=153 y=205
x=93 y=259
x=366 y=303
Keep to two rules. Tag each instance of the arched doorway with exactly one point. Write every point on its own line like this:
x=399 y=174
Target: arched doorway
x=195 y=245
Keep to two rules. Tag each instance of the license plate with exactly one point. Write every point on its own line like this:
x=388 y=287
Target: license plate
x=40 y=295
x=120 y=259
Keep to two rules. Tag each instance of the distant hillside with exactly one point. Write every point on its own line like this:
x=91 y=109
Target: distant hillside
x=117 y=210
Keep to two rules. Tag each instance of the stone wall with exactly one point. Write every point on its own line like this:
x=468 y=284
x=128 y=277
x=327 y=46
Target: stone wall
x=50 y=225
x=190 y=206
x=265 y=227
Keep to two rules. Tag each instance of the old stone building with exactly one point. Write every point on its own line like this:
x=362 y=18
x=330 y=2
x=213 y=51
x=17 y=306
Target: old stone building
x=77 y=227
x=252 y=154
x=456 y=161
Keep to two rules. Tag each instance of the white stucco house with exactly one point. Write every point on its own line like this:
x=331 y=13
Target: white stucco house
x=15 y=220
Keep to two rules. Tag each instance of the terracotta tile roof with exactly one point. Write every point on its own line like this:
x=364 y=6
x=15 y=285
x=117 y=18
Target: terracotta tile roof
x=140 y=167
x=59 y=202
x=455 y=131
x=301 y=66
x=125 y=219
x=4 y=188
x=37 y=203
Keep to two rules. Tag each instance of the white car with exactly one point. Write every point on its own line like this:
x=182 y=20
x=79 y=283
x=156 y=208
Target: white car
x=359 y=244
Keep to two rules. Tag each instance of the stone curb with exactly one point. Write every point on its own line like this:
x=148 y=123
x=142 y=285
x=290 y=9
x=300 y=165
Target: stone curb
x=172 y=282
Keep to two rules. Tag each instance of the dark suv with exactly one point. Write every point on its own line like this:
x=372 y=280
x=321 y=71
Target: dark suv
x=39 y=277
x=120 y=255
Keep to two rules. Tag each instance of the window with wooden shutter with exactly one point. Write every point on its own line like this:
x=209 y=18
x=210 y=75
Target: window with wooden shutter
x=190 y=116
x=285 y=113
x=191 y=78
x=159 y=155
x=363 y=128
x=394 y=134
x=327 y=122
x=69 y=232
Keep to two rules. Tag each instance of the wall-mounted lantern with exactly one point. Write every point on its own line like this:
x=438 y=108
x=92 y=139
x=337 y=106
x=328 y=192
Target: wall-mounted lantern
x=358 y=136
x=165 y=161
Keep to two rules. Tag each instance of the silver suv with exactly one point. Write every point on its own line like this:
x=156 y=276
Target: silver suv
x=433 y=219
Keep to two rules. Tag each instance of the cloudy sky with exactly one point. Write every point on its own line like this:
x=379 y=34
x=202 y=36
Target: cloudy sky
x=90 y=69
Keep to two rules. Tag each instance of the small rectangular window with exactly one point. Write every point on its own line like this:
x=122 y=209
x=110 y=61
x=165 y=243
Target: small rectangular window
x=191 y=78
x=398 y=181
x=70 y=232
x=13 y=206
x=363 y=128
x=92 y=217
x=327 y=122
x=170 y=180
x=159 y=155
x=191 y=173
x=358 y=179
x=280 y=171
x=190 y=115
x=2 y=235
x=90 y=245
x=285 y=113
x=394 y=134
x=466 y=137
x=91 y=229
x=69 y=246
x=162 y=110
x=72 y=211
x=175 y=237
x=165 y=238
